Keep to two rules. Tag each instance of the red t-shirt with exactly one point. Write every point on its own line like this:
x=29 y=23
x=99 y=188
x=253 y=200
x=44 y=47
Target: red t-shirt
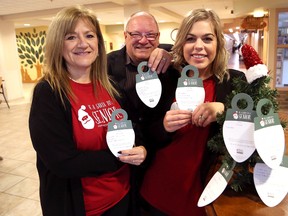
x=90 y=117
x=173 y=184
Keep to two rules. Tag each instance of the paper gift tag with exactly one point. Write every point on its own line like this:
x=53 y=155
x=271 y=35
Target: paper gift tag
x=174 y=106
x=216 y=185
x=148 y=86
x=269 y=136
x=238 y=129
x=190 y=92
x=120 y=134
x=271 y=184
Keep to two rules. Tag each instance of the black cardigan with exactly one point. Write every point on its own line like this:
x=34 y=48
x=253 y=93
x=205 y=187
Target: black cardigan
x=60 y=164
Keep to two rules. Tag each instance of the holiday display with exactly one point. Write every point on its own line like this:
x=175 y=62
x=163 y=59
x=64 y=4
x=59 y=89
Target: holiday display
x=253 y=63
x=257 y=87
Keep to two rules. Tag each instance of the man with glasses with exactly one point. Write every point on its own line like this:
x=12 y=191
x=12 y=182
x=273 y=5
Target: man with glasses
x=142 y=44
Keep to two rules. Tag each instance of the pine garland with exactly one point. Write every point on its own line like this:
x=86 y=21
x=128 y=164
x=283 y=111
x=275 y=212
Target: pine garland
x=258 y=89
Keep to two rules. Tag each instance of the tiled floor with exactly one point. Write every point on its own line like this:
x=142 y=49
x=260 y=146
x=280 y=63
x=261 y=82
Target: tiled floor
x=18 y=176
x=235 y=62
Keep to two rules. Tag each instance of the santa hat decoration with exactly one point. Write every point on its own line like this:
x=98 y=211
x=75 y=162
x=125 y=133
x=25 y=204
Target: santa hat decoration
x=253 y=63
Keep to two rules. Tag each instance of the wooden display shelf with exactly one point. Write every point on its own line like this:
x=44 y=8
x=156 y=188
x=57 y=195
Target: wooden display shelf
x=246 y=203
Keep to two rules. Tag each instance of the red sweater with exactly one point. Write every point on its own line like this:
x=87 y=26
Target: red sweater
x=172 y=184
x=90 y=118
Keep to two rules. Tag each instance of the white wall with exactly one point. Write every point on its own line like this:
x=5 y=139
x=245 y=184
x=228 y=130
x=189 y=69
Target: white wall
x=10 y=69
x=166 y=29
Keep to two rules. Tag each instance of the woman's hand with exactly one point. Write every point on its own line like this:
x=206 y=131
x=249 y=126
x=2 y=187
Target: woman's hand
x=206 y=113
x=134 y=156
x=176 y=119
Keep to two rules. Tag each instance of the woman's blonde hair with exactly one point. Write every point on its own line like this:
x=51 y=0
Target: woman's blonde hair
x=219 y=65
x=55 y=70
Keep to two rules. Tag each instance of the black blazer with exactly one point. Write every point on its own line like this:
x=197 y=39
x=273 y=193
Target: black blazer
x=147 y=122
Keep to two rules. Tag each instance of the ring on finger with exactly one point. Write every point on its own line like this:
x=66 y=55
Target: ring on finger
x=201 y=117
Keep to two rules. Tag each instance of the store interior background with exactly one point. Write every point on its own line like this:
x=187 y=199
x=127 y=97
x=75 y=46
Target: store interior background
x=18 y=175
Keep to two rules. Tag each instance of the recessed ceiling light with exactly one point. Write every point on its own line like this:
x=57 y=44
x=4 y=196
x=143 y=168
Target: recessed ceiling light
x=27 y=24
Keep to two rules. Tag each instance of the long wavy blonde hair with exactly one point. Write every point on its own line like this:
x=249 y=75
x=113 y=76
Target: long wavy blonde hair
x=219 y=65
x=55 y=70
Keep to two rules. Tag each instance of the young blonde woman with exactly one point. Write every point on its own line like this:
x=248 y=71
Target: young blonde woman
x=174 y=182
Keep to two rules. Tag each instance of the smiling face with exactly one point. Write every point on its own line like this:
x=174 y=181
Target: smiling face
x=140 y=50
x=80 y=48
x=200 y=46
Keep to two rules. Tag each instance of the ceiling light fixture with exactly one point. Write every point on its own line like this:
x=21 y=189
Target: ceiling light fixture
x=258 y=13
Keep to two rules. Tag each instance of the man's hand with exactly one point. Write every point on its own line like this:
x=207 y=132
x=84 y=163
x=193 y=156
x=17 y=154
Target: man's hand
x=159 y=60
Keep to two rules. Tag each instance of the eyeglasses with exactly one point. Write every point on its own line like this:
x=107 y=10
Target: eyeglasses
x=139 y=36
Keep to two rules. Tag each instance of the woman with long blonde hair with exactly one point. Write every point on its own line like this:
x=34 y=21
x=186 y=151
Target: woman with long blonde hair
x=175 y=180
x=71 y=108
